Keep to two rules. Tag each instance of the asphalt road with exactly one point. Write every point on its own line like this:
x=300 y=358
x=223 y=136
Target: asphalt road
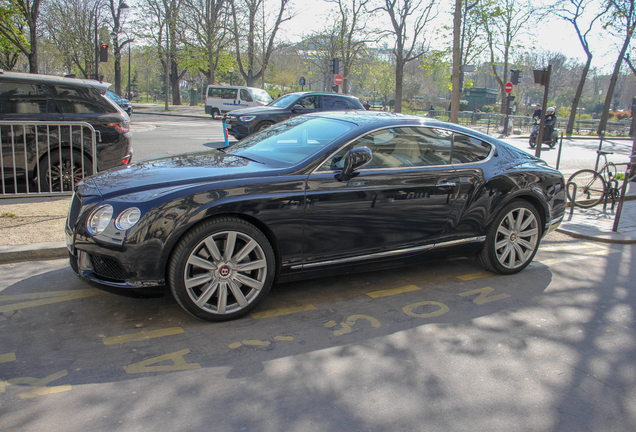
x=437 y=347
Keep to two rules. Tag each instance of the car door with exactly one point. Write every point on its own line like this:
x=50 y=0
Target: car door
x=400 y=200
x=245 y=99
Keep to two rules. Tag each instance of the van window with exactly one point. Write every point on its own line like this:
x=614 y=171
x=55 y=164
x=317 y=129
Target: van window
x=223 y=93
x=246 y=96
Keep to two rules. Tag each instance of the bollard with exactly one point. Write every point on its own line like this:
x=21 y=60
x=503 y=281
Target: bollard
x=572 y=203
x=559 y=155
x=227 y=141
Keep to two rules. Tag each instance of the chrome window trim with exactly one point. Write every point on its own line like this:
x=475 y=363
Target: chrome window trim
x=490 y=153
x=479 y=239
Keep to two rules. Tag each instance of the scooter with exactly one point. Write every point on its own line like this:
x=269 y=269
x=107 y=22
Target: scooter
x=549 y=139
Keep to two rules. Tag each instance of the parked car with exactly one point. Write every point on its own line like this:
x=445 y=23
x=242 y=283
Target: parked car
x=312 y=196
x=123 y=103
x=244 y=122
x=51 y=158
x=221 y=99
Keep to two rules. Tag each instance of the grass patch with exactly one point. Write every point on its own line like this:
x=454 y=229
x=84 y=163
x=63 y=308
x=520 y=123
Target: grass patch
x=8 y=215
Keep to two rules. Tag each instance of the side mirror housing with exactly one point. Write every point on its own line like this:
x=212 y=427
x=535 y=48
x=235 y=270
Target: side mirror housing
x=356 y=158
x=297 y=108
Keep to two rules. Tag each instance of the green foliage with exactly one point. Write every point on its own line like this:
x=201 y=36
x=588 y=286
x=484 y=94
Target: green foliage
x=489 y=108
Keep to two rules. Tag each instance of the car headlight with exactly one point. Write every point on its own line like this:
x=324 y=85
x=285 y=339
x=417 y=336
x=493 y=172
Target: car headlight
x=99 y=219
x=128 y=218
x=248 y=118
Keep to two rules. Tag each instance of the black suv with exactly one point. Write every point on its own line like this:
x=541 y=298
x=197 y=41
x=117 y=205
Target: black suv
x=40 y=157
x=244 y=122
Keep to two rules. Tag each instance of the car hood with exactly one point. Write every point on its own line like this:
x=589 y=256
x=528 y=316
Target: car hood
x=176 y=172
x=261 y=110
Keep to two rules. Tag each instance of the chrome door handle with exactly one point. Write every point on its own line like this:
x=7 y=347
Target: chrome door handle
x=446 y=184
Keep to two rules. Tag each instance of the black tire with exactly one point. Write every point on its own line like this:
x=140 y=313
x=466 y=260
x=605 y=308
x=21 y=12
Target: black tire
x=213 y=275
x=512 y=239
x=590 y=188
x=64 y=173
x=215 y=112
x=263 y=125
x=532 y=142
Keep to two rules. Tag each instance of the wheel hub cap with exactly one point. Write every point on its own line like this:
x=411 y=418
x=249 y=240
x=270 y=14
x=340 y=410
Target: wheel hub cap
x=225 y=271
x=513 y=237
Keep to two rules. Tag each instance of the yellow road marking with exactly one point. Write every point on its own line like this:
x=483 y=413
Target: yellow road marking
x=393 y=291
x=134 y=337
x=473 y=276
x=38 y=385
x=283 y=338
x=441 y=311
x=235 y=345
x=5 y=358
x=178 y=361
x=41 y=299
x=283 y=311
x=483 y=297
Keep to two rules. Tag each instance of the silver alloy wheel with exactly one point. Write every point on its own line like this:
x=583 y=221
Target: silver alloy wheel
x=225 y=272
x=517 y=238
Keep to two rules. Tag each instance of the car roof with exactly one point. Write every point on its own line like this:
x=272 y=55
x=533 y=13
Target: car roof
x=52 y=79
x=319 y=93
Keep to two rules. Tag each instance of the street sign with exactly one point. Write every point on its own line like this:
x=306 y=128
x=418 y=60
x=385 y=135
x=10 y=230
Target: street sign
x=338 y=79
x=301 y=81
x=508 y=87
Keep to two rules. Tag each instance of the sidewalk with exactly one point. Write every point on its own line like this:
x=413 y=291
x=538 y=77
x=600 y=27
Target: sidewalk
x=33 y=228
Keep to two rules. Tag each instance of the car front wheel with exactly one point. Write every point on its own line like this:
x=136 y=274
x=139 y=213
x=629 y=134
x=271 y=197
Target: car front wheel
x=221 y=269
x=512 y=240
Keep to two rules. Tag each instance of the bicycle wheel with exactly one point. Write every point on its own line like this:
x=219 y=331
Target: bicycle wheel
x=590 y=188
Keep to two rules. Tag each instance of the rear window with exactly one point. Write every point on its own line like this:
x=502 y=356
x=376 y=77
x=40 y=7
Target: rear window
x=338 y=103
x=81 y=100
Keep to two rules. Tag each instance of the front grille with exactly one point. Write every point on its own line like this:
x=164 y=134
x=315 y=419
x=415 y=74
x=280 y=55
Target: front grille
x=107 y=268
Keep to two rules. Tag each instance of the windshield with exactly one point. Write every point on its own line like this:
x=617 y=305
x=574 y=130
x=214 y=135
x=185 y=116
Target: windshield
x=284 y=101
x=291 y=142
x=111 y=94
x=261 y=96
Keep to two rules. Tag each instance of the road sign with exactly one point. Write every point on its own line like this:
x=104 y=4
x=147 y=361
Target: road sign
x=338 y=79
x=301 y=81
x=508 y=87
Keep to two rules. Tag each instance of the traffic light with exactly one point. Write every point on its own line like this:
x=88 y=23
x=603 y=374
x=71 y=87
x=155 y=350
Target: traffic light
x=103 y=53
x=334 y=64
x=515 y=76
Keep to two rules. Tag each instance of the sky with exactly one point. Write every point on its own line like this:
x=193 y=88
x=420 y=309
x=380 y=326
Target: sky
x=552 y=35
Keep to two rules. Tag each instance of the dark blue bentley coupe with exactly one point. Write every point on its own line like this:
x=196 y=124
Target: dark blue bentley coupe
x=311 y=196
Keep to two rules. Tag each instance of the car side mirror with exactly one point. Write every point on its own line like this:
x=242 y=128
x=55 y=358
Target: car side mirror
x=356 y=158
x=297 y=108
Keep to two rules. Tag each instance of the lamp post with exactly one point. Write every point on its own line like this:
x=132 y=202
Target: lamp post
x=98 y=5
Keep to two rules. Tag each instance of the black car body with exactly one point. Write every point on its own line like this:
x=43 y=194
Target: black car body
x=123 y=103
x=42 y=98
x=244 y=122
x=312 y=196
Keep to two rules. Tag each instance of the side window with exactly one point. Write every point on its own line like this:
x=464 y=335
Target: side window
x=246 y=96
x=400 y=147
x=467 y=149
x=308 y=102
x=334 y=103
x=222 y=93
x=80 y=100
x=24 y=98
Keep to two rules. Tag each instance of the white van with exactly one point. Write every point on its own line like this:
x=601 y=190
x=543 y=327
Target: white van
x=220 y=99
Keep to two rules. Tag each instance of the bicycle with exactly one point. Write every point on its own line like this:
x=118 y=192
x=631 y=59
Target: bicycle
x=592 y=186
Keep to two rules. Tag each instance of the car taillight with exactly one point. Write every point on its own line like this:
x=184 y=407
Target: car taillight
x=126 y=159
x=124 y=127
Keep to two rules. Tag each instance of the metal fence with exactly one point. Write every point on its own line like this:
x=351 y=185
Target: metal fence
x=45 y=158
x=491 y=123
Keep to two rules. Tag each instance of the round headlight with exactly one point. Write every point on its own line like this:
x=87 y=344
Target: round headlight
x=128 y=218
x=99 y=219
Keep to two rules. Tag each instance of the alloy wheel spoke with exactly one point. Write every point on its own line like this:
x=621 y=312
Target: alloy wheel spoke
x=529 y=220
x=197 y=280
x=512 y=256
x=529 y=233
x=503 y=231
x=238 y=294
x=520 y=254
x=526 y=244
x=519 y=220
x=252 y=265
x=230 y=243
x=208 y=292
x=221 y=303
x=257 y=285
x=197 y=261
x=210 y=244
x=502 y=243
x=249 y=247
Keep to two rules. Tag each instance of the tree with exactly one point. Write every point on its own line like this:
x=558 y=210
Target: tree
x=250 y=28
x=207 y=24
x=622 y=21
x=28 y=11
x=409 y=43
x=574 y=11
x=9 y=52
x=503 y=22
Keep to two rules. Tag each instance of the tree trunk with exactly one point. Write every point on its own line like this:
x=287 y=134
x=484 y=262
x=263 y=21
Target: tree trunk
x=610 y=91
x=174 y=82
x=399 y=78
x=33 y=55
x=577 y=96
x=457 y=55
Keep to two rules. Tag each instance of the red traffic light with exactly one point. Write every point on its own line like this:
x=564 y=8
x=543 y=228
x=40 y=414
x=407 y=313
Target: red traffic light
x=103 y=53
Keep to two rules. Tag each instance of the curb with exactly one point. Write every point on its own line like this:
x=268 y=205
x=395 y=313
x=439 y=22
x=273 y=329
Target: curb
x=174 y=115
x=603 y=238
x=35 y=251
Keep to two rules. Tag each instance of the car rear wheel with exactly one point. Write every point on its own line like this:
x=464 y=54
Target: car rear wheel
x=512 y=240
x=222 y=269
x=62 y=174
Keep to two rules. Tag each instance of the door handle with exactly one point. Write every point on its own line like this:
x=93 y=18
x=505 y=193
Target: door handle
x=445 y=184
